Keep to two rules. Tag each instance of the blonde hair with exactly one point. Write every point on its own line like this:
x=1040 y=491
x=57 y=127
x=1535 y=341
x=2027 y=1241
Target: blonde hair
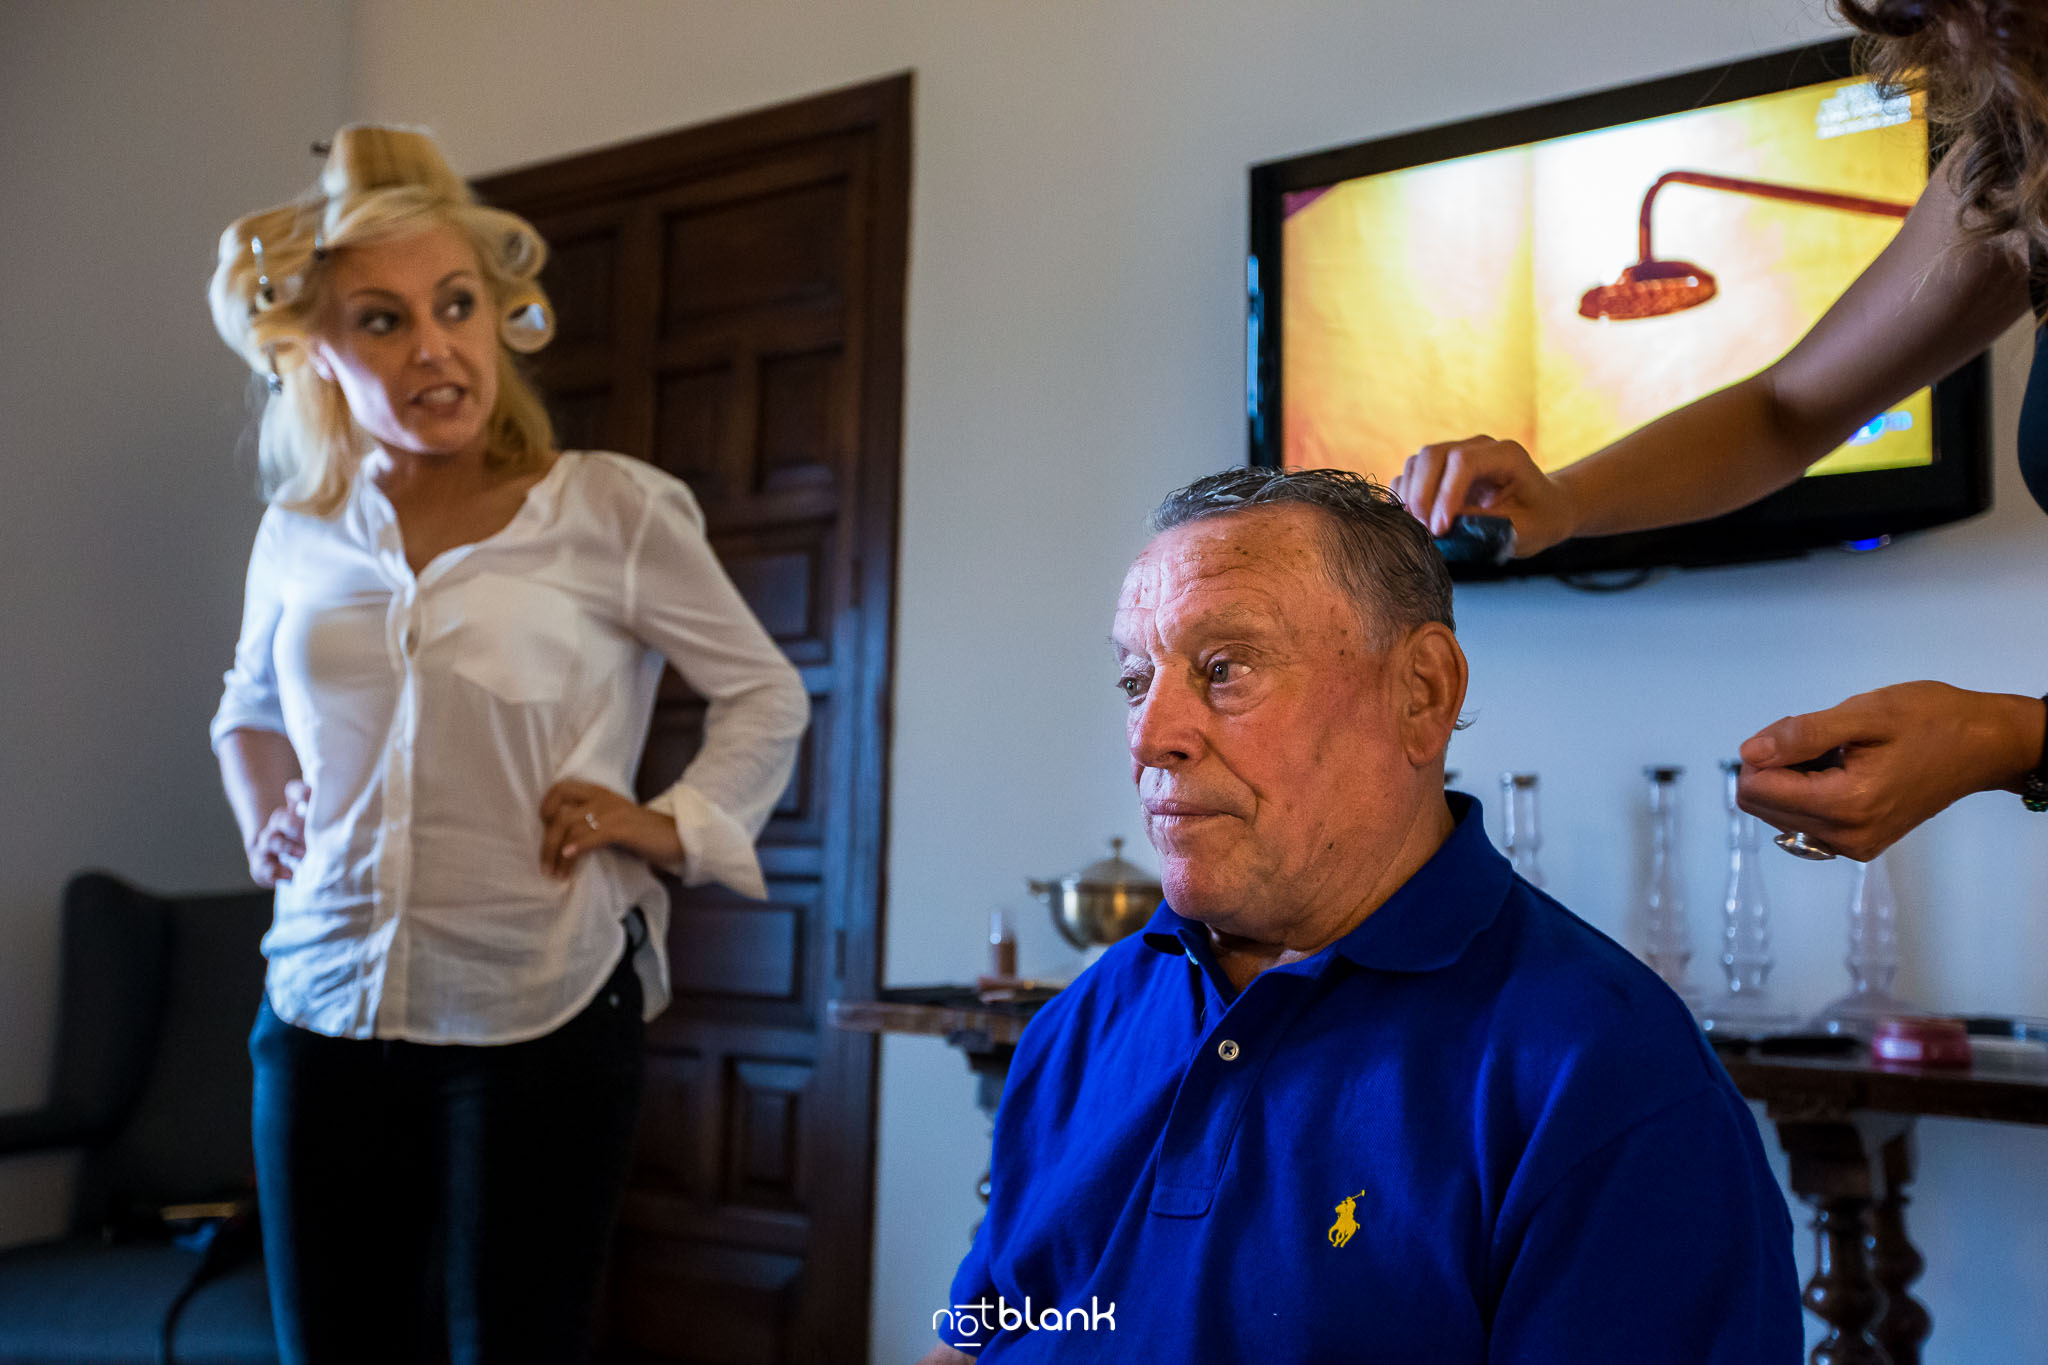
x=268 y=300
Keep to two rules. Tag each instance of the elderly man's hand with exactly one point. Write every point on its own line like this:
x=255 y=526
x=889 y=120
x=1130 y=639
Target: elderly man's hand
x=1908 y=751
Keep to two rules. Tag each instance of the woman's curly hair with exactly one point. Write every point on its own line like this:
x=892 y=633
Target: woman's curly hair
x=1983 y=65
x=269 y=296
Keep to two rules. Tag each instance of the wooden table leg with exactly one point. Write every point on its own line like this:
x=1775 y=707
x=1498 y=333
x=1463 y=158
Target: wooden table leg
x=1835 y=1169
x=990 y=1063
x=1842 y=1293
x=1897 y=1262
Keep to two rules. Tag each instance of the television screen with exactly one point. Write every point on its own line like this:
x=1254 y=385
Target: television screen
x=1562 y=275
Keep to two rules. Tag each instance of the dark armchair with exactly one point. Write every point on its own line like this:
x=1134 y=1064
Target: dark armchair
x=152 y=1084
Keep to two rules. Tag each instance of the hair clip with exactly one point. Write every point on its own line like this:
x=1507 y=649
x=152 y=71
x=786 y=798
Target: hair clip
x=265 y=295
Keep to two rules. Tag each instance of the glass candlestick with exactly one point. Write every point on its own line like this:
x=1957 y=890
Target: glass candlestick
x=1668 y=936
x=1743 y=1007
x=1873 y=956
x=1523 y=835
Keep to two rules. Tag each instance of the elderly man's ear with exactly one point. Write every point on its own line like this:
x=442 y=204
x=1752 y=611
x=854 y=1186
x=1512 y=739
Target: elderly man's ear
x=1429 y=679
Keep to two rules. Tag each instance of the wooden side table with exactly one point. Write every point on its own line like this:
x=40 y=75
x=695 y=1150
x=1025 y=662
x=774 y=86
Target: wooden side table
x=1846 y=1124
x=986 y=1034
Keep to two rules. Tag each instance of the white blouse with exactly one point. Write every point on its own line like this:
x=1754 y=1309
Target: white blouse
x=431 y=714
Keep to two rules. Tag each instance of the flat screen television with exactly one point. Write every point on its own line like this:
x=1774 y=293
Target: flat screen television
x=1562 y=274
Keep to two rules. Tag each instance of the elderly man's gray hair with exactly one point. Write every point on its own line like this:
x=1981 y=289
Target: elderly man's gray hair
x=1375 y=550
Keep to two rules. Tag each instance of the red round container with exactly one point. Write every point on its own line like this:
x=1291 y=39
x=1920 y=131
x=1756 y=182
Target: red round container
x=1916 y=1040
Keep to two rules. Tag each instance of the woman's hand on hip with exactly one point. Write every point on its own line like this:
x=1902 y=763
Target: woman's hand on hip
x=1907 y=752
x=577 y=817
x=275 y=852
x=1489 y=478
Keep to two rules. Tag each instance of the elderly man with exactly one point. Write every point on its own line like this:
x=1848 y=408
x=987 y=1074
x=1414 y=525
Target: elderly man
x=1357 y=1092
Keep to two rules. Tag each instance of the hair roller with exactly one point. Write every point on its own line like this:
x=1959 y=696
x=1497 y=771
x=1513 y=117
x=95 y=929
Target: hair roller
x=527 y=326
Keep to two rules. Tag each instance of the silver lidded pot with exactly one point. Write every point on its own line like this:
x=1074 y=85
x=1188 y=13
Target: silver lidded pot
x=1107 y=900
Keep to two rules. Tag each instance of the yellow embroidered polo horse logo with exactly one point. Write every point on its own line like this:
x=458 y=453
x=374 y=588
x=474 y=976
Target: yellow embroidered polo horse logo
x=1346 y=1224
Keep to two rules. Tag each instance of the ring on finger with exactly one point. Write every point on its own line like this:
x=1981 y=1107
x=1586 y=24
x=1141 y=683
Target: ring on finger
x=590 y=819
x=1799 y=845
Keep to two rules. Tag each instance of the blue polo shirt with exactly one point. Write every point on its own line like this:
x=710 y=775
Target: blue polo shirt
x=1472 y=1130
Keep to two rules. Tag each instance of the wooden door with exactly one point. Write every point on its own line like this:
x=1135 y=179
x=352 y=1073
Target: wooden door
x=730 y=303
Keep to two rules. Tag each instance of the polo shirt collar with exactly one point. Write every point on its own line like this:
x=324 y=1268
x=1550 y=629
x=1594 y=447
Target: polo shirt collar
x=1424 y=926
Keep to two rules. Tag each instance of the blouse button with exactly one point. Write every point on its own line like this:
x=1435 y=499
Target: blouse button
x=1227 y=1050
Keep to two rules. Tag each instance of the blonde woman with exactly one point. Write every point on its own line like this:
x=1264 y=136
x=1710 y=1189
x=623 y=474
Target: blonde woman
x=1971 y=260
x=450 y=646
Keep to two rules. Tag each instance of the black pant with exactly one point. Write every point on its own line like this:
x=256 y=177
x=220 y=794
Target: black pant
x=410 y=1191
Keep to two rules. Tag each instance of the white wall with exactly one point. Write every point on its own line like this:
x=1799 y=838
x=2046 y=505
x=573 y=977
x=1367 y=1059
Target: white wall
x=129 y=136
x=1075 y=351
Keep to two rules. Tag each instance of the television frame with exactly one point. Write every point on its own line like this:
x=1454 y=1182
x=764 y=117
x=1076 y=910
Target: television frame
x=1819 y=511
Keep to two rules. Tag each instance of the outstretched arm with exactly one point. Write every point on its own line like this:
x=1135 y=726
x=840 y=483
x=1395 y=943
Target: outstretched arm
x=1907 y=752
x=1928 y=303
